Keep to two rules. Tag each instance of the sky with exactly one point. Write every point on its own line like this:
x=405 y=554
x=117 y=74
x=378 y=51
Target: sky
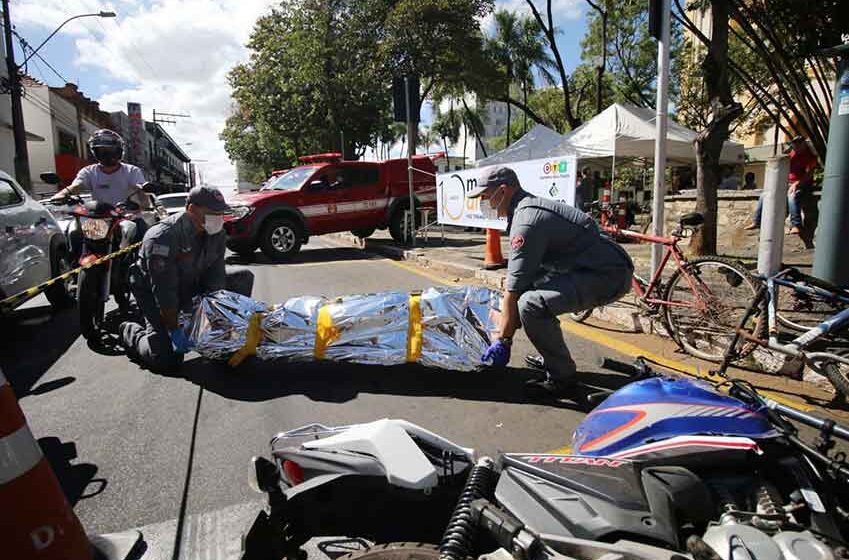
x=174 y=55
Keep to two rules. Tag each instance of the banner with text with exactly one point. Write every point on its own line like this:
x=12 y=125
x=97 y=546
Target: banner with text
x=549 y=178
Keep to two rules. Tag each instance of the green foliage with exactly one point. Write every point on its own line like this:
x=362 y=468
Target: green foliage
x=319 y=69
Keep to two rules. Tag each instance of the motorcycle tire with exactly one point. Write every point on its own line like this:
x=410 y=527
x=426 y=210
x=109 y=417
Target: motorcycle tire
x=396 y=551
x=89 y=302
x=60 y=294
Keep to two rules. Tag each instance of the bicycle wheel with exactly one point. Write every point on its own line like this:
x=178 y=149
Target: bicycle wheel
x=838 y=375
x=704 y=303
x=802 y=311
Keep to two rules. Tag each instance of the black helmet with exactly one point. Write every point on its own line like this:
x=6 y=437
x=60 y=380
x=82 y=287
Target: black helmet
x=106 y=146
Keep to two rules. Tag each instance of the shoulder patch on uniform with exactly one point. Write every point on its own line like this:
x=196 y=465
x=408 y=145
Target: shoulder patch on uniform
x=160 y=250
x=517 y=241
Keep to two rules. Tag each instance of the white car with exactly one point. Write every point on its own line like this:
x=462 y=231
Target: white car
x=174 y=203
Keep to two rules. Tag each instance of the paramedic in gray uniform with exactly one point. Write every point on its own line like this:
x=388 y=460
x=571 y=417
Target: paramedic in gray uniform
x=559 y=263
x=181 y=257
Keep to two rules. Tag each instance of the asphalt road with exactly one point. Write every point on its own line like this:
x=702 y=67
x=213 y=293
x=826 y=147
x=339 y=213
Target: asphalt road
x=134 y=464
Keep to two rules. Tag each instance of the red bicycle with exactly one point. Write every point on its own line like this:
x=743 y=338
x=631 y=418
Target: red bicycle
x=702 y=301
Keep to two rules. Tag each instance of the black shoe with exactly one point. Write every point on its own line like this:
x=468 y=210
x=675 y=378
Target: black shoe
x=535 y=361
x=549 y=387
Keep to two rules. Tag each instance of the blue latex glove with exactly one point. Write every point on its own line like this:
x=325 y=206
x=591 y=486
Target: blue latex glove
x=498 y=353
x=180 y=341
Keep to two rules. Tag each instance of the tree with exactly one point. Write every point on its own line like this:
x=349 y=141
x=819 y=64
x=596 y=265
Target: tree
x=724 y=109
x=319 y=69
x=447 y=127
x=620 y=39
x=531 y=56
x=549 y=31
x=504 y=46
x=773 y=57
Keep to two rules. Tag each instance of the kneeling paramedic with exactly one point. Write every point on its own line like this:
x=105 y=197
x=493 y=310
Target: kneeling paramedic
x=559 y=263
x=181 y=257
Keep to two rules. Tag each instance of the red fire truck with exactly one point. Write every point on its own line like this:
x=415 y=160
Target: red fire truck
x=326 y=194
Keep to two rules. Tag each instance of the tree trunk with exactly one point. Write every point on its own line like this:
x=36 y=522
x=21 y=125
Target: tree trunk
x=525 y=101
x=708 y=144
x=599 y=94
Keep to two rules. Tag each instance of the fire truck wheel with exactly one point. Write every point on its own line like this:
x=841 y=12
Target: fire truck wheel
x=396 y=227
x=281 y=239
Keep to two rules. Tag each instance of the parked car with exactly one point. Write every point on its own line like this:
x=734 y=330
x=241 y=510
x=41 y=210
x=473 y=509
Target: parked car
x=157 y=211
x=174 y=203
x=327 y=194
x=33 y=248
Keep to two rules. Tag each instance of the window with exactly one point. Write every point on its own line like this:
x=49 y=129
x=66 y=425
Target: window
x=67 y=143
x=360 y=176
x=9 y=195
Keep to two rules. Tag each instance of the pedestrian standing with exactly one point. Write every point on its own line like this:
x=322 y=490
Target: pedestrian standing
x=800 y=185
x=559 y=263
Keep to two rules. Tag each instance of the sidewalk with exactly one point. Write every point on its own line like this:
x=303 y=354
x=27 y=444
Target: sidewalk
x=461 y=258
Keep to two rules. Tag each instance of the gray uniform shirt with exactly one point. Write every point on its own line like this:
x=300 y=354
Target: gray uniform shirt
x=180 y=263
x=548 y=236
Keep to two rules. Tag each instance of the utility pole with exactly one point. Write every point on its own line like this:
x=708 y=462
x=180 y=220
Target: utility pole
x=659 y=26
x=831 y=258
x=21 y=153
x=411 y=149
x=157 y=131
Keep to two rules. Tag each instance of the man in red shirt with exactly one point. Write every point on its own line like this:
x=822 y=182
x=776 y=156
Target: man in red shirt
x=801 y=182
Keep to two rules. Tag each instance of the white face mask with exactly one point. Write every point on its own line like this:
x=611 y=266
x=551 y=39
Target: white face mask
x=213 y=223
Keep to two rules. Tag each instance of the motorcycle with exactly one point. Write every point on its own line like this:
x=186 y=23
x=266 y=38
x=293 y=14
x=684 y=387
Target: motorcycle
x=105 y=229
x=665 y=468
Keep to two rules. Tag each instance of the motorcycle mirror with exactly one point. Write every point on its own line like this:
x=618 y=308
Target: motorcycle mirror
x=264 y=475
x=50 y=178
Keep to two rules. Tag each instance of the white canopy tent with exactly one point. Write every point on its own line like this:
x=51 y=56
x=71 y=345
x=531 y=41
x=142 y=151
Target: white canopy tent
x=628 y=131
x=536 y=143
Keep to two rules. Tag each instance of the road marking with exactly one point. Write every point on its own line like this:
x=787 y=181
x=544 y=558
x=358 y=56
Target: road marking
x=327 y=263
x=417 y=270
x=632 y=350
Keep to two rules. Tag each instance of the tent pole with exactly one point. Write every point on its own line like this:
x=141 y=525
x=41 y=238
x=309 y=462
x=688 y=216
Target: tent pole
x=660 y=139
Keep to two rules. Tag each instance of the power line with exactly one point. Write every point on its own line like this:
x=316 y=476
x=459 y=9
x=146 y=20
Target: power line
x=25 y=45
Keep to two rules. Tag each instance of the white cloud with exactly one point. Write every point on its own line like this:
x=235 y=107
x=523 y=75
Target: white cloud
x=560 y=9
x=176 y=52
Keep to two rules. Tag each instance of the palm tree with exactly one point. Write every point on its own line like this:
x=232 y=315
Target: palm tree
x=531 y=54
x=504 y=47
x=447 y=127
x=472 y=120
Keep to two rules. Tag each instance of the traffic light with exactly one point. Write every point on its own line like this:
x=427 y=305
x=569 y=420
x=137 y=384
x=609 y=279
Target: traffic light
x=399 y=98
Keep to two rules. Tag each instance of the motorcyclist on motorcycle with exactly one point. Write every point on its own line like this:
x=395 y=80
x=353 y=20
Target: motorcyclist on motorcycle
x=109 y=180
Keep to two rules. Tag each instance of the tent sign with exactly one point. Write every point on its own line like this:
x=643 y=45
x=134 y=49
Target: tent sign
x=549 y=178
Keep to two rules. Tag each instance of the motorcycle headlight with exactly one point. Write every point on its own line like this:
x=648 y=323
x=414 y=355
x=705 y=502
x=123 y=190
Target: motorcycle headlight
x=240 y=212
x=95 y=228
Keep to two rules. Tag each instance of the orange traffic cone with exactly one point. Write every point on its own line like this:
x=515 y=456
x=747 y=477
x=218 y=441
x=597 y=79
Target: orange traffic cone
x=493 y=259
x=38 y=522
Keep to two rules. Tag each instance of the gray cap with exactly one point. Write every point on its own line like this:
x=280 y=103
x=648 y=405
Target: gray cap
x=495 y=177
x=209 y=198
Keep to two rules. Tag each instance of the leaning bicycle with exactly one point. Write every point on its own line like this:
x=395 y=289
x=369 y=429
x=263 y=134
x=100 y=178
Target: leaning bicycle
x=815 y=315
x=702 y=301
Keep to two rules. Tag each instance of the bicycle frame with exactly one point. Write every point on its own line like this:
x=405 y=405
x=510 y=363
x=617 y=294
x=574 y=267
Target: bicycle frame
x=672 y=251
x=796 y=347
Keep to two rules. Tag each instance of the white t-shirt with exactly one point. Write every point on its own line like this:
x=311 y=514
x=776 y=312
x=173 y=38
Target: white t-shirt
x=111 y=188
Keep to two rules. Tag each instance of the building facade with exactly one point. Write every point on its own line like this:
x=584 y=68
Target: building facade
x=494 y=117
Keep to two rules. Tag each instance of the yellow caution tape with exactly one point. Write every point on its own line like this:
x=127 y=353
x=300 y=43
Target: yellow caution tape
x=414 y=329
x=325 y=332
x=252 y=340
x=11 y=301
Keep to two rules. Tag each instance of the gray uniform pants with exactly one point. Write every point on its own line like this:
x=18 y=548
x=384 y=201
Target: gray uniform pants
x=151 y=343
x=555 y=294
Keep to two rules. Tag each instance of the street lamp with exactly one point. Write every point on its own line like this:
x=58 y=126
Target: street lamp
x=22 y=172
x=55 y=31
